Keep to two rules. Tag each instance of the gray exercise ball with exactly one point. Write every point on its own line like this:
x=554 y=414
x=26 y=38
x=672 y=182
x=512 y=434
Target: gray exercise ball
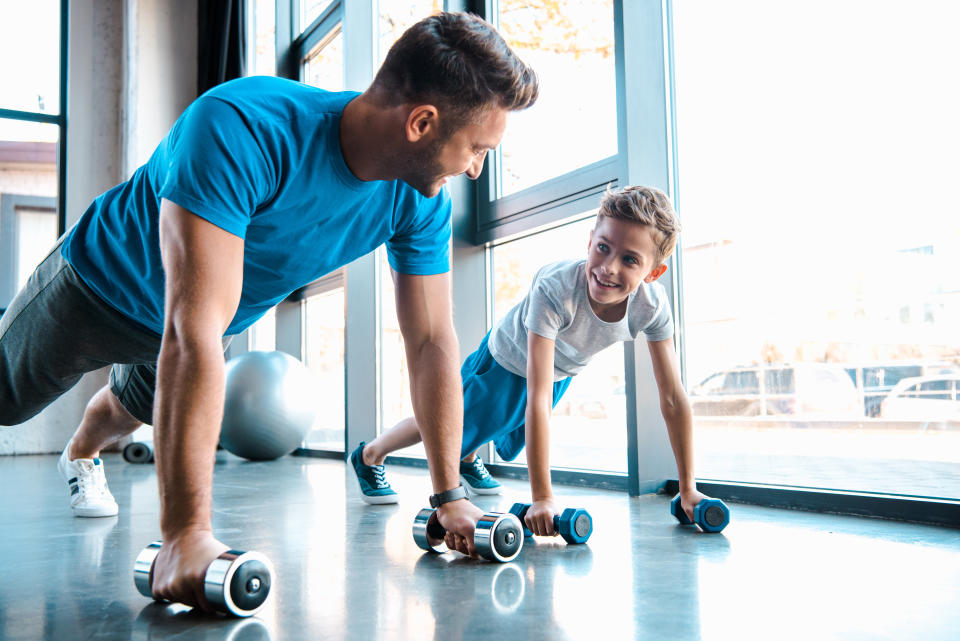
x=270 y=405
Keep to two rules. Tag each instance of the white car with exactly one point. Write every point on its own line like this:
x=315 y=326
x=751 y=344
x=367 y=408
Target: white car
x=924 y=398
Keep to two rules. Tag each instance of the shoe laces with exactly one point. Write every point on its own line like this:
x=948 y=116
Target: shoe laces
x=380 y=476
x=91 y=479
x=479 y=468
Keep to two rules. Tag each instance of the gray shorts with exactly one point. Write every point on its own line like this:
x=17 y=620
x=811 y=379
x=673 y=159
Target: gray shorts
x=55 y=330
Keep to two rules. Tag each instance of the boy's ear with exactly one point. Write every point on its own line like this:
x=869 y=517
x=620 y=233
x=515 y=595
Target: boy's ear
x=590 y=240
x=655 y=273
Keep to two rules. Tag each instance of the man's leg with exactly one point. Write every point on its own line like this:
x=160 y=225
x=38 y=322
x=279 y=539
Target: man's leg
x=105 y=420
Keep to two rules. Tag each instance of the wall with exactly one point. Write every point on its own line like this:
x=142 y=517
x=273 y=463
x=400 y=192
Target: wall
x=132 y=71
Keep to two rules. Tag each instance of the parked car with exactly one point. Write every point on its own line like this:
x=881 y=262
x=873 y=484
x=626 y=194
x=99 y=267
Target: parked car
x=875 y=380
x=777 y=389
x=924 y=398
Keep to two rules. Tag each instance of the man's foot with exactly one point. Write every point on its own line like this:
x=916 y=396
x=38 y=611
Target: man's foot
x=89 y=494
x=372 y=480
x=477 y=479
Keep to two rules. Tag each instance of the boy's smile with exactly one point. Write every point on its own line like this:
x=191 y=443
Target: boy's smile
x=621 y=254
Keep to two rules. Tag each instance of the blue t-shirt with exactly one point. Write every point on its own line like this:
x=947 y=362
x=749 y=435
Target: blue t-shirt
x=260 y=158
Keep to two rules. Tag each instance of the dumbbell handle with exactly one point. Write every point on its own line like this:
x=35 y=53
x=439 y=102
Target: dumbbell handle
x=523 y=515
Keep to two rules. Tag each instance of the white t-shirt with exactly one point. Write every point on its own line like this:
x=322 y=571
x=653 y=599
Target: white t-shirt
x=557 y=307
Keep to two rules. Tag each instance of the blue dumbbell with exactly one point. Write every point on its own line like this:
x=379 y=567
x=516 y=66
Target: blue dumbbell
x=712 y=515
x=575 y=525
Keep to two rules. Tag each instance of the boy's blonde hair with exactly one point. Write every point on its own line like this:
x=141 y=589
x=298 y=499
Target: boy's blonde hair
x=645 y=206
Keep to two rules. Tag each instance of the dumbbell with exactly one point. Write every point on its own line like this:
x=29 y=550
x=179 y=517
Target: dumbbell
x=497 y=537
x=712 y=515
x=575 y=525
x=138 y=452
x=236 y=582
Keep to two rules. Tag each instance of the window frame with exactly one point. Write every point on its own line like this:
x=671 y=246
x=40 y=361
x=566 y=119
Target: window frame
x=60 y=119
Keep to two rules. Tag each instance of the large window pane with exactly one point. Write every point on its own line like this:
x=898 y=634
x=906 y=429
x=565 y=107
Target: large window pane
x=574 y=122
x=263 y=333
x=396 y=17
x=28 y=200
x=395 y=400
x=324 y=66
x=30 y=51
x=264 y=44
x=310 y=10
x=324 y=351
x=588 y=425
x=821 y=249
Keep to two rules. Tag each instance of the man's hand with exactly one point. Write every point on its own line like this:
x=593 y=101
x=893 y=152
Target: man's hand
x=181 y=565
x=539 y=517
x=689 y=497
x=459 y=518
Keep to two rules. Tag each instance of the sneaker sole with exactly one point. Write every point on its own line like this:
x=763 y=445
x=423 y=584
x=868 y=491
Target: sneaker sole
x=94 y=512
x=479 y=490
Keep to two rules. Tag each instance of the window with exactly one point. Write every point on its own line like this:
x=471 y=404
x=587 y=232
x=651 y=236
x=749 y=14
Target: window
x=264 y=38
x=815 y=240
x=396 y=17
x=395 y=400
x=587 y=427
x=31 y=126
x=310 y=10
x=574 y=122
x=31 y=83
x=28 y=201
x=263 y=334
x=324 y=353
x=324 y=65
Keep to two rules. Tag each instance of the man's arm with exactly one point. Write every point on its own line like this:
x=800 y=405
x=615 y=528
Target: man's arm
x=426 y=321
x=539 y=517
x=675 y=408
x=203 y=267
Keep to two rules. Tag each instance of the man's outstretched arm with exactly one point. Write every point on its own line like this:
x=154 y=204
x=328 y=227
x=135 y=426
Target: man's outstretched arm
x=203 y=267
x=425 y=313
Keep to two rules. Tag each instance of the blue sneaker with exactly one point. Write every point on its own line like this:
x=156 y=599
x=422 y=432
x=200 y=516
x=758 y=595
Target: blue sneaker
x=372 y=480
x=477 y=479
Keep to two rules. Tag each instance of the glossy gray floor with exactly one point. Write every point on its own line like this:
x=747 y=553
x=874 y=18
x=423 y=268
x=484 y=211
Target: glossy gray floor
x=351 y=571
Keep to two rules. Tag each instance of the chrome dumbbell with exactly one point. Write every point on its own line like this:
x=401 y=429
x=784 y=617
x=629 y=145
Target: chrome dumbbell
x=236 y=582
x=497 y=537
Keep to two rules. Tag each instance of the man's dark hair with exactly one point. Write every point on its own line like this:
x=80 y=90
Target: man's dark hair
x=459 y=63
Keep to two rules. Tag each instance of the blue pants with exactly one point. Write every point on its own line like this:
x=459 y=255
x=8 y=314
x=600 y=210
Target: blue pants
x=495 y=404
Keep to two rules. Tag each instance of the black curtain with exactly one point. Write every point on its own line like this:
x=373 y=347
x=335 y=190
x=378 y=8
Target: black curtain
x=222 y=46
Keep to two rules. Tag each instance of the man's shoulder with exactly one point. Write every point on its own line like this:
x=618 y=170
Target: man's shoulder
x=268 y=97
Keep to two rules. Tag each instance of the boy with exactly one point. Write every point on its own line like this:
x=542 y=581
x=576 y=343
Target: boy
x=574 y=309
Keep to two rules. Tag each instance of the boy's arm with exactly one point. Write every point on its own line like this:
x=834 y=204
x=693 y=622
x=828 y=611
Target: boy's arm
x=539 y=405
x=675 y=408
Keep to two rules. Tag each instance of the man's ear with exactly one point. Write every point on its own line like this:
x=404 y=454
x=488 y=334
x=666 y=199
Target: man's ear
x=655 y=273
x=422 y=121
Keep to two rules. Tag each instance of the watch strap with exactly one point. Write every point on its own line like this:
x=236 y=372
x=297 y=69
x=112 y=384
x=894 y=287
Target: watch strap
x=457 y=493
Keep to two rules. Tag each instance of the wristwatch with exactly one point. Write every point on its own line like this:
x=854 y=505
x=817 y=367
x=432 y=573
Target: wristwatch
x=457 y=493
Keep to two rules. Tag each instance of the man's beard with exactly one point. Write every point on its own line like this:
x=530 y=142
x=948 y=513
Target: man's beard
x=424 y=170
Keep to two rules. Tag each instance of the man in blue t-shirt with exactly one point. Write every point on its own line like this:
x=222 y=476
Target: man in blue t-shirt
x=262 y=186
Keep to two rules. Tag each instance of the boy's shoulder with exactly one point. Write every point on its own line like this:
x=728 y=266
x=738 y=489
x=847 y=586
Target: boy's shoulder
x=561 y=274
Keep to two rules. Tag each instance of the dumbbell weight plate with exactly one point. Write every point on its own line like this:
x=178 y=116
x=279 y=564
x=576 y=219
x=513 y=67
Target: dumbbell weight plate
x=427 y=531
x=714 y=516
x=498 y=537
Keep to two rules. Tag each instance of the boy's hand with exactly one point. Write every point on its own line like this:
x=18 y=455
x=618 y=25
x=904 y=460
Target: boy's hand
x=459 y=518
x=689 y=499
x=539 y=517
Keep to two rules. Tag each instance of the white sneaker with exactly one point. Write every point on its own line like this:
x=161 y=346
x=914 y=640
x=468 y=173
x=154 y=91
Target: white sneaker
x=89 y=494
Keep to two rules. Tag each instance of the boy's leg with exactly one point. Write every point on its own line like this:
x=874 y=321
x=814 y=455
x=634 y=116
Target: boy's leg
x=367 y=461
x=475 y=476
